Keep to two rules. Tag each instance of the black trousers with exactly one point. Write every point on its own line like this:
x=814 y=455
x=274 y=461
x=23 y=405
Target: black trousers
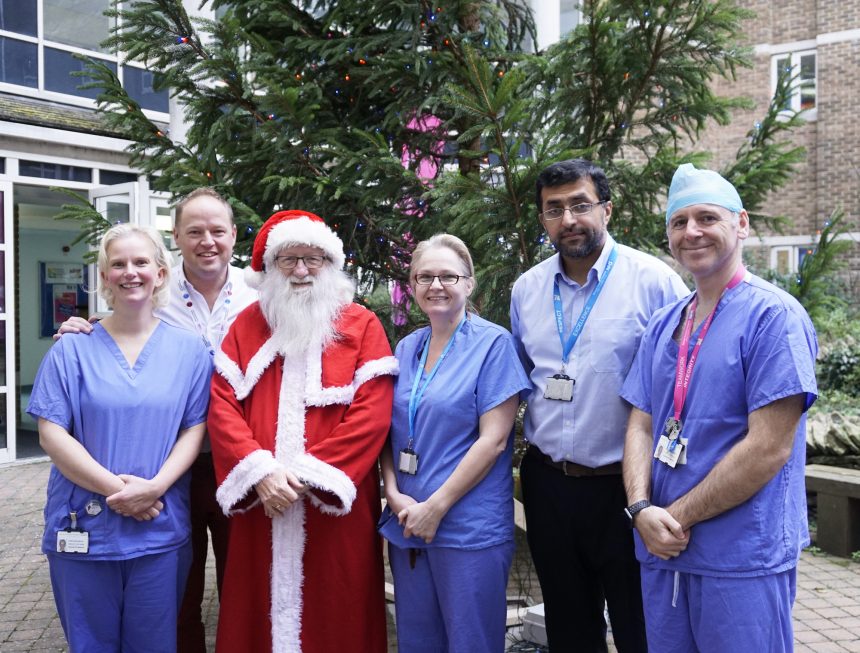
x=582 y=547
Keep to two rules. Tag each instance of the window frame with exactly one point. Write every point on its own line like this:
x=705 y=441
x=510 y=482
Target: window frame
x=41 y=93
x=794 y=57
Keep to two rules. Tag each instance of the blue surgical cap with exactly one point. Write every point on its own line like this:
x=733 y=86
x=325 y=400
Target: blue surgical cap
x=691 y=186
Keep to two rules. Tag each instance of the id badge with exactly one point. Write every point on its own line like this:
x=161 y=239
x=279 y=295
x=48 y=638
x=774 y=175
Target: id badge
x=559 y=387
x=408 y=463
x=73 y=542
x=671 y=455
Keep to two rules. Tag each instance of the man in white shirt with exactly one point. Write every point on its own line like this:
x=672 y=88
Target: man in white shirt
x=206 y=295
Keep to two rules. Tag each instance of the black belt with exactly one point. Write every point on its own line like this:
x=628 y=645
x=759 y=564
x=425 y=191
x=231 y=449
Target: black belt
x=573 y=469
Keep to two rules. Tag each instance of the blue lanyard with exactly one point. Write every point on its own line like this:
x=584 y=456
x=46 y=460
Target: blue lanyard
x=567 y=347
x=416 y=394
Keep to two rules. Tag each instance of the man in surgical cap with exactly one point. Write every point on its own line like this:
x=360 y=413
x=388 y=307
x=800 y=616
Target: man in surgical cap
x=715 y=446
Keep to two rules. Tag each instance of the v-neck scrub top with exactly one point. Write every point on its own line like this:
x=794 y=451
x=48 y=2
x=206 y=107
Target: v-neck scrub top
x=128 y=419
x=481 y=371
x=760 y=348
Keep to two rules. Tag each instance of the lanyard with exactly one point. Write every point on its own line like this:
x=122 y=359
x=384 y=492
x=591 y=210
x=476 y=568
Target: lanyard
x=416 y=394
x=567 y=347
x=684 y=369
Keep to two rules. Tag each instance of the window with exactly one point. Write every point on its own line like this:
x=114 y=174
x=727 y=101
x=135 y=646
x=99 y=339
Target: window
x=18 y=16
x=802 y=66
x=19 y=62
x=59 y=66
x=139 y=84
x=113 y=177
x=54 y=171
x=81 y=23
x=39 y=41
x=786 y=259
x=568 y=15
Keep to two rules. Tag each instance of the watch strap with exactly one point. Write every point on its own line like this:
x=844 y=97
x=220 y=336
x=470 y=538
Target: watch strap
x=632 y=510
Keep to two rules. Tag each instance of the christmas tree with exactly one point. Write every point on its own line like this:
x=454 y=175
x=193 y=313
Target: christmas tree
x=397 y=119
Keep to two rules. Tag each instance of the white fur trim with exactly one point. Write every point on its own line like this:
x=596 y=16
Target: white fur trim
x=316 y=395
x=242 y=384
x=253 y=278
x=288 y=531
x=379 y=367
x=228 y=369
x=288 y=548
x=306 y=232
x=252 y=469
x=316 y=473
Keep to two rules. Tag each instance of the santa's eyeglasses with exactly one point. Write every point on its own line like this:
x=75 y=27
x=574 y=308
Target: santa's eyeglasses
x=311 y=262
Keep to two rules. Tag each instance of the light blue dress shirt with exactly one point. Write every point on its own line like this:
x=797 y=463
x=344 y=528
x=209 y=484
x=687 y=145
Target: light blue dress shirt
x=590 y=429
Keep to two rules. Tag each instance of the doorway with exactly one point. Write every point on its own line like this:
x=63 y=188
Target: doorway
x=51 y=284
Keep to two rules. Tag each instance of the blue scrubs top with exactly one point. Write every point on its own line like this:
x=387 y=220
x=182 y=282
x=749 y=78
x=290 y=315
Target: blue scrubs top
x=761 y=347
x=128 y=420
x=481 y=371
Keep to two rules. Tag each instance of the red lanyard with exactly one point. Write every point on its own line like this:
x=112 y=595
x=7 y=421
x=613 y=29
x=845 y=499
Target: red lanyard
x=684 y=369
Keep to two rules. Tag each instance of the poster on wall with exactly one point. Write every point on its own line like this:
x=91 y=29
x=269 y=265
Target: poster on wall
x=62 y=295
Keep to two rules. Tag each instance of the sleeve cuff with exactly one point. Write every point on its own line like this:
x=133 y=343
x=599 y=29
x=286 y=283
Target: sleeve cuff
x=333 y=483
x=252 y=469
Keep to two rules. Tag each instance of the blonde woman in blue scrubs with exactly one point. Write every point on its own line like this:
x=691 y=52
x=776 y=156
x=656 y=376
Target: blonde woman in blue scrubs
x=447 y=466
x=122 y=414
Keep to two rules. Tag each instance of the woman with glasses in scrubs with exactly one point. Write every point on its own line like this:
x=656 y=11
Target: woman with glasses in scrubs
x=122 y=413
x=447 y=465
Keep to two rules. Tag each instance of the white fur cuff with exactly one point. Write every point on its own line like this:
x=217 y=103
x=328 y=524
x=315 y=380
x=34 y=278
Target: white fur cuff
x=314 y=472
x=252 y=469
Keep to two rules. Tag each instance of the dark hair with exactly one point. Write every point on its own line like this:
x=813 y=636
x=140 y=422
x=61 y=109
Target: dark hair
x=203 y=191
x=565 y=172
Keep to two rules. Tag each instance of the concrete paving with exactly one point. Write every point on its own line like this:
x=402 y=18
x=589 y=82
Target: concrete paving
x=826 y=613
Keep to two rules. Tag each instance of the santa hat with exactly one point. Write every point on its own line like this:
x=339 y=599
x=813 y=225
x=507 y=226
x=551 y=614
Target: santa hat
x=291 y=228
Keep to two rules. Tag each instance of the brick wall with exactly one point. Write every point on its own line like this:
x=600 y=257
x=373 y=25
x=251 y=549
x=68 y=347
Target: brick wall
x=830 y=176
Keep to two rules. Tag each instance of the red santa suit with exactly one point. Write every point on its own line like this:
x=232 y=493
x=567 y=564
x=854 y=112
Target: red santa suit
x=310 y=580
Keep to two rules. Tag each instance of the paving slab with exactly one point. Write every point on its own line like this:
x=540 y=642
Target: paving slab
x=826 y=612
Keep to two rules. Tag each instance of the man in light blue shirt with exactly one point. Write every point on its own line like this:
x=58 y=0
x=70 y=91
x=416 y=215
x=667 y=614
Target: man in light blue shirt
x=577 y=318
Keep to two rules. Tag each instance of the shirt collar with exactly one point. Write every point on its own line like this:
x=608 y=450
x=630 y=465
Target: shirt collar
x=182 y=280
x=596 y=269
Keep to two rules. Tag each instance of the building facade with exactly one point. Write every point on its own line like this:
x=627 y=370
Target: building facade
x=51 y=138
x=819 y=42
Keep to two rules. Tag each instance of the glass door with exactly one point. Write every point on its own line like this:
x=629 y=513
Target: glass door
x=117 y=203
x=7 y=327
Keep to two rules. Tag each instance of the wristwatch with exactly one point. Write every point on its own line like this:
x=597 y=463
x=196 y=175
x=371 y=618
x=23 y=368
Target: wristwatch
x=632 y=511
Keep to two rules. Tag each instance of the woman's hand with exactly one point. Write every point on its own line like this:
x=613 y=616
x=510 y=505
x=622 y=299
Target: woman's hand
x=278 y=491
x=421 y=520
x=139 y=498
x=398 y=501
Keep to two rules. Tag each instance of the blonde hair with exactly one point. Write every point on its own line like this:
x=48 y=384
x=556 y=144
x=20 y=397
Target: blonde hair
x=455 y=245
x=451 y=242
x=161 y=258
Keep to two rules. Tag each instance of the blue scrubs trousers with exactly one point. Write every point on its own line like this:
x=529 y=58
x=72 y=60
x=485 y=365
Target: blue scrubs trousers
x=718 y=614
x=108 y=606
x=453 y=600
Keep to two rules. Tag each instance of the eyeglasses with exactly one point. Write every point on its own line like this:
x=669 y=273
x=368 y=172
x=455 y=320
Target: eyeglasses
x=444 y=279
x=311 y=262
x=557 y=213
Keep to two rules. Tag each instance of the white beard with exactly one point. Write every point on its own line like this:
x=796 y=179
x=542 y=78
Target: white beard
x=305 y=316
